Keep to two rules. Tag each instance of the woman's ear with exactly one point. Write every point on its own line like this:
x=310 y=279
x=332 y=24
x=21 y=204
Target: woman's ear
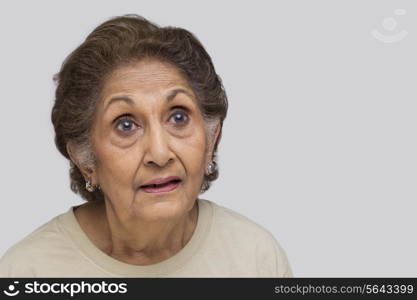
x=87 y=171
x=212 y=141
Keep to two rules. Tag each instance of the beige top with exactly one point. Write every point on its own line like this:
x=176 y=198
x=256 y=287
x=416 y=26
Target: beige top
x=224 y=244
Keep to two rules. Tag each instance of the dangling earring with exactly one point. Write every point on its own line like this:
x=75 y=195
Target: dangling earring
x=211 y=167
x=89 y=187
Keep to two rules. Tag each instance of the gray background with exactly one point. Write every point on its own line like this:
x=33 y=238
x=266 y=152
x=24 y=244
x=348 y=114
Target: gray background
x=319 y=146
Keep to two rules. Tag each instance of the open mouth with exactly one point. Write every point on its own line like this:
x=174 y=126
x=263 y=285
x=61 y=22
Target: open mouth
x=162 y=187
x=175 y=181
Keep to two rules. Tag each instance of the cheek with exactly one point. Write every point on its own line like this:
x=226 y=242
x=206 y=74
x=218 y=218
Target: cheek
x=191 y=151
x=116 y=166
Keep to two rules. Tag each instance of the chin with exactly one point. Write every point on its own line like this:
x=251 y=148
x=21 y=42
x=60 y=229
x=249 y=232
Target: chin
x=161 y=207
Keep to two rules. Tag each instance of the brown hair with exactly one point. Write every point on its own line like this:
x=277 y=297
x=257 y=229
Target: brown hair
x=118 y=41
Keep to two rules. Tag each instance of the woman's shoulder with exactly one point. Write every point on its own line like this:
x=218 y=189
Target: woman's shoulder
x=230 y=220
x=32 y=248
x=229 y=223
x=248 y=240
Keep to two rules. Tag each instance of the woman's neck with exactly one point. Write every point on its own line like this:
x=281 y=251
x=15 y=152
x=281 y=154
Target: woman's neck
x=138 y=243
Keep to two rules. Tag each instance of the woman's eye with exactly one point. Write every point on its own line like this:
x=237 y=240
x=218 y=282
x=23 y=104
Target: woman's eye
x=125 y=125
x=179 y=118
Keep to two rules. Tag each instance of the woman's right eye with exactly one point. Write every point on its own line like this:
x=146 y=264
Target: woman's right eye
x=125 y=125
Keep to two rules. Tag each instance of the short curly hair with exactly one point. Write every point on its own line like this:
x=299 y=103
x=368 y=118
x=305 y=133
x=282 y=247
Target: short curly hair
x=119 y=41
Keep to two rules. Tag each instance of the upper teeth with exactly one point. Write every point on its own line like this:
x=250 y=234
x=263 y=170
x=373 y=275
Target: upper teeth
x=155 y=185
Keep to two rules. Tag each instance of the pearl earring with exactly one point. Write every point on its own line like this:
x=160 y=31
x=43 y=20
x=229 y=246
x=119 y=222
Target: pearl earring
x=89 y=187
x=211 y=167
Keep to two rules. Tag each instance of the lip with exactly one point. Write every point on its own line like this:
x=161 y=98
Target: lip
x=161 y=189
x=161 y=180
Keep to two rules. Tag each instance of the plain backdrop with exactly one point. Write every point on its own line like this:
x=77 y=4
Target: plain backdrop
x=319 y=146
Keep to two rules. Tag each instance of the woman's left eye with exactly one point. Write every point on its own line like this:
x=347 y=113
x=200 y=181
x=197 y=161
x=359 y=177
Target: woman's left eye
x=179 y=118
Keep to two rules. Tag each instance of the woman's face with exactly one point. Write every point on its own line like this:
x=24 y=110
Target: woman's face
x=148 y=126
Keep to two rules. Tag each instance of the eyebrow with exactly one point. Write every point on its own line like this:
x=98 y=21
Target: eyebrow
x=171 y=95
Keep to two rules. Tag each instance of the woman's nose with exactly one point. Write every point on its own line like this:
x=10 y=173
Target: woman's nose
x=157 y=147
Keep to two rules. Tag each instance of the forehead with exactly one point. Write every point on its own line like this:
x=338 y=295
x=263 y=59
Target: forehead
x=145 y=76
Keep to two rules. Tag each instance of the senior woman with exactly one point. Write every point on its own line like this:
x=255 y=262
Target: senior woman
x=138 y=112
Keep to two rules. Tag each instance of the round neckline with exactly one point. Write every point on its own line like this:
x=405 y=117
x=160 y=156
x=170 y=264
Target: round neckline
x=116 y=267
